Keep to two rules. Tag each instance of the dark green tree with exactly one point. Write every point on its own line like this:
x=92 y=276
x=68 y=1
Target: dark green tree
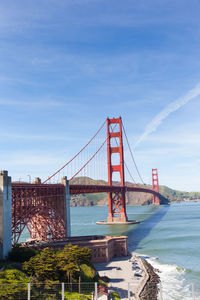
x=70 y=260
x=13 y=282
x=43 y=266
x=21 y=254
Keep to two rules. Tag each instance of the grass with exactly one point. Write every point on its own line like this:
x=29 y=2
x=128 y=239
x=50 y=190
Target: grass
x=77 y=296
x=115 y=296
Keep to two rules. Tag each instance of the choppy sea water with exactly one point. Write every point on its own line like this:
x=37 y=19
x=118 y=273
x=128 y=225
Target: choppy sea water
x=168 y=235
x=171 y=237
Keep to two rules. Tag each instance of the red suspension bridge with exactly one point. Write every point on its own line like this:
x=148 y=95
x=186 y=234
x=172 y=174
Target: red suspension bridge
x=42 y=206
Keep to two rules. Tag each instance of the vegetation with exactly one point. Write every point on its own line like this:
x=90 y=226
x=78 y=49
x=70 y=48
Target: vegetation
x=88 y=273
x=46 y=269
x=68 y=265
x=43 y=266
x=77 y=296
x=21 y=254
x=14 y=280
x=115 y=296
x=9 y=276
x=174 y=195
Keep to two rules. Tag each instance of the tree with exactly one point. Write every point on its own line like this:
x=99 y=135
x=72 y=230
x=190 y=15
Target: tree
x=70 y=260
x=21 y=254
x=62 y=265
x=13 y=282
x=43 y=266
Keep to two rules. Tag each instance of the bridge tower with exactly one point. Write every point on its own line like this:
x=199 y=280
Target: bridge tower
x=116 y=200
x=155 y=186
x=5 y=214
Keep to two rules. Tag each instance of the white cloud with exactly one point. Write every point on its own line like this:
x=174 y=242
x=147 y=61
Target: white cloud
x=172 y=107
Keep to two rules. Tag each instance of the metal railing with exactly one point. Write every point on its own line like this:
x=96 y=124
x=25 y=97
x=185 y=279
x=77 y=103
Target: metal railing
x=48 y=291
x=82 y=291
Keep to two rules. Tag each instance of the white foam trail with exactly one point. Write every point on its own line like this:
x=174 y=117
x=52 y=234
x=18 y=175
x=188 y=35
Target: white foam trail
x=155 y=123
x=174 y=286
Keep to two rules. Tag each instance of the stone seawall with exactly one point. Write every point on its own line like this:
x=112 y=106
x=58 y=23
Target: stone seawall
x=150 y=289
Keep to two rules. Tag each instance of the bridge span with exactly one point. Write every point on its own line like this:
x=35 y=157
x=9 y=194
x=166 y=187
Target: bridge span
x=44 y=207
x=86 y=189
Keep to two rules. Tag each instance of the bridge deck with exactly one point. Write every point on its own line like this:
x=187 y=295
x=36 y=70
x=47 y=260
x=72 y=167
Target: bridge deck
x=85 y=189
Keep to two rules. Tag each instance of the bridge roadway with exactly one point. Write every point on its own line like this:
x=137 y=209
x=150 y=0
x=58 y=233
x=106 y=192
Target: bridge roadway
x=75 y=189
x=85 y=189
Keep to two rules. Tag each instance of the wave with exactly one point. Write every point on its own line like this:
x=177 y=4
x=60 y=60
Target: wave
x=194 y=273
x=174 y=285
x=173 y=282
x=186 y=238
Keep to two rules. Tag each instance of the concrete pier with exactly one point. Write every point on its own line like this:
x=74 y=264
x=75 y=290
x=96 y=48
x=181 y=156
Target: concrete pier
x=5 y=214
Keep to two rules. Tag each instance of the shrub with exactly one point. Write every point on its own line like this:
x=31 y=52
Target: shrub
x=21 y=254
x=88 y=273
x=13 y=284
x=43 y=266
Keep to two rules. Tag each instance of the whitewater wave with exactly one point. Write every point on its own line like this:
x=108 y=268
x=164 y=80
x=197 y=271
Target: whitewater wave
x=173 y=283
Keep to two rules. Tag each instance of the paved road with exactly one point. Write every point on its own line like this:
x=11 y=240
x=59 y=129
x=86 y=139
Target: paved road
x=123 y=272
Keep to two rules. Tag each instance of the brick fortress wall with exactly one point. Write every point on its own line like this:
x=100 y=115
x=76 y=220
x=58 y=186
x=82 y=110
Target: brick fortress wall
x=104 y=248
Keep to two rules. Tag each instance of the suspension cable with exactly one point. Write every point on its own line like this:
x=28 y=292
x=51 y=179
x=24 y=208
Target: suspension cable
x=88 y=161
x=129 y=172
x=125 y=162
x=76 y=154
x=92 y=156
x=132 y=154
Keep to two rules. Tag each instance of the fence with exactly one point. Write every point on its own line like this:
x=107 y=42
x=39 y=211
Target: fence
x=75 y=291
x=48 y=291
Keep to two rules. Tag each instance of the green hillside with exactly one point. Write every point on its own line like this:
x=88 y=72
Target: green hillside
x=175 y=195
x=168 y=195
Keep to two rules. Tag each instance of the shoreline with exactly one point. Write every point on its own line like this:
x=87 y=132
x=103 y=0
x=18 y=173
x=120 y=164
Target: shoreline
x=131 y=276
x=151 y=289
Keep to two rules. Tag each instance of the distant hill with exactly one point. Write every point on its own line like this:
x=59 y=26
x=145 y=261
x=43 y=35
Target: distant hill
x=175 y=195
x=168 y=195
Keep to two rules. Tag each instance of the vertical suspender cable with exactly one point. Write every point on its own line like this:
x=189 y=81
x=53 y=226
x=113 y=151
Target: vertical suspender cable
x=132 y=154
x=76 y=154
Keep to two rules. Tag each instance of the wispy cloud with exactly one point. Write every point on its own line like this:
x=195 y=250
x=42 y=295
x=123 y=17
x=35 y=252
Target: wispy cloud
x=172 y=107
x=185 y=138
x=30 y=136
x=31 y=103
x=28 y=15
x=17 y=80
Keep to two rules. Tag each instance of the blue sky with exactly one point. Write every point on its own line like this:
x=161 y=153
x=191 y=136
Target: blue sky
x=68 y=64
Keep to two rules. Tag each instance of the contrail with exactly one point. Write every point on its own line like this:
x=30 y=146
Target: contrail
x=159 y=118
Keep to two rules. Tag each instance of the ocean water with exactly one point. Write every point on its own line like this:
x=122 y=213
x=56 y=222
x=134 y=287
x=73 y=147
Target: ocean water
x=168 y=235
